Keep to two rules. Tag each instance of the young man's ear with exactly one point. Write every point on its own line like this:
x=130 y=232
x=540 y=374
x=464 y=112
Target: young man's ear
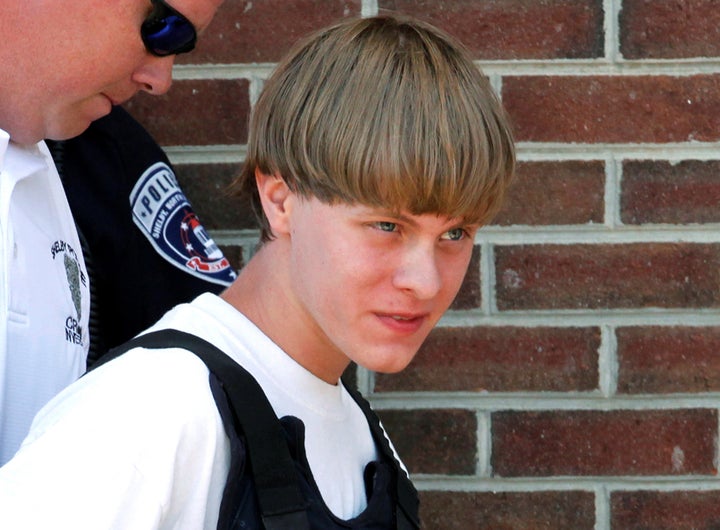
x=274 y=194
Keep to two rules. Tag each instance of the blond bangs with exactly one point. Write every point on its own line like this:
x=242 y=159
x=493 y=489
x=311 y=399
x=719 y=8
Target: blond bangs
x=385 y=113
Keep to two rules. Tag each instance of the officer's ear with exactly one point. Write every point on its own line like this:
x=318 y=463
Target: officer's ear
x=275 y=198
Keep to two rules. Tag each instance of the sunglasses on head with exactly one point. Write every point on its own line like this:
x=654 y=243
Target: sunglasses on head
x=166 y=31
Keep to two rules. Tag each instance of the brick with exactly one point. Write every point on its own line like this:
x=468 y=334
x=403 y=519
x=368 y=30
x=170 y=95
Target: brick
x=666 y=192
x=207 y=186
x=661 y=360
x=470 y=294
x=555 y=193
x=551 y=510
x=262 y=31
x=669 y=29
x=440 y=441
x=501 y=359
x=515 y=29
x=665 y=510
x=612 y=109
x=624 y=442
x=607 y=276
x=196 y=112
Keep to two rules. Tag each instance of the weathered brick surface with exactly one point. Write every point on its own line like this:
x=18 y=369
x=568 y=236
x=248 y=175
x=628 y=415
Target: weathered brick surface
x=549 y=510
x=203 y=112
x=501 y=359
x=515 y=29
x=665 y=192
x=207 y=186
x=555 y=193
x=624 y=442
x=669 y=29
x=594 y=109
x=668 y=359
x=607 y=276
x=665 y=510
x=261 y=31
x=438 y=441
x=470 y=295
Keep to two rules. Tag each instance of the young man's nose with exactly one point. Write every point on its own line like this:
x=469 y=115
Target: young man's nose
x=419 y=272
x=155 y=74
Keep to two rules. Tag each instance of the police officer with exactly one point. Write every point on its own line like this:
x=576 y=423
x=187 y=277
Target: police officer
x=145 y=248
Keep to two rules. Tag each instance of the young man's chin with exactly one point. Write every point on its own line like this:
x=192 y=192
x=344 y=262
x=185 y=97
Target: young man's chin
x=392 y=361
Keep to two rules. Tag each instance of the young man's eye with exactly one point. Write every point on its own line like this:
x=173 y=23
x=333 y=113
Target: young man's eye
x=456 y=234
x=386 y=226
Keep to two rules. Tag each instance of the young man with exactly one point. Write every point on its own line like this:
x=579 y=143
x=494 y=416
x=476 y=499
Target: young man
x=64 y=64
x=377 y=149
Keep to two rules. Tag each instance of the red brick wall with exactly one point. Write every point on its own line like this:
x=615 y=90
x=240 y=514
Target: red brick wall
x=575 y=383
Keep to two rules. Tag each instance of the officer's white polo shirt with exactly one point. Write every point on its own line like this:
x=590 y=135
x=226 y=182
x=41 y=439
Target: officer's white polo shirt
x=44 y=291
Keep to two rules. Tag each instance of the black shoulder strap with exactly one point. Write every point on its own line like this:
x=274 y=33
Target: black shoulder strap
x=279 y=496
x=407 y=516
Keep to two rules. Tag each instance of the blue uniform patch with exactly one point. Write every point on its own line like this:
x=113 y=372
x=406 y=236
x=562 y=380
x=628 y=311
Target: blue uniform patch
x=163 y=213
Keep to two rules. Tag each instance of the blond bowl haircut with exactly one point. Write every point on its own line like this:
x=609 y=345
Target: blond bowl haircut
x=386 y=112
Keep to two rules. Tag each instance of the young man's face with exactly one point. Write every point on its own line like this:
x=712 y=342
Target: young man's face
x=77 y=58
x=372 y=284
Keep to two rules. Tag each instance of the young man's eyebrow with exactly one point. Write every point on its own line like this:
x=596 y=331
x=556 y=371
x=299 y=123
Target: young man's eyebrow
x=409 y=220
x=399 y=216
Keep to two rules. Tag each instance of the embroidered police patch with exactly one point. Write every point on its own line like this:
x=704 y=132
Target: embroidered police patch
x=77 y=283
x=163 y=213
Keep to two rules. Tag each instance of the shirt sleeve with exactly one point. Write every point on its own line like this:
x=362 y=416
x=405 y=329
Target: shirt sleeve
x=136 y=444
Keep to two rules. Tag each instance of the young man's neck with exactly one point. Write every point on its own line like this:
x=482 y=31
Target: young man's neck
x=262 y=293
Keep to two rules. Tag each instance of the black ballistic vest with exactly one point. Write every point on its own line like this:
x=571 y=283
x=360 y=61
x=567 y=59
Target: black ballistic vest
x=270 y=485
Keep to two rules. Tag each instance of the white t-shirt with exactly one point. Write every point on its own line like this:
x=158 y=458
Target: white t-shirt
x=139 y=444
x=44 y=291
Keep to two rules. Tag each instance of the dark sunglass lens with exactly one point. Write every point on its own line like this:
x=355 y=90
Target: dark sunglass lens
x=169 y=36
x=167 y=32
